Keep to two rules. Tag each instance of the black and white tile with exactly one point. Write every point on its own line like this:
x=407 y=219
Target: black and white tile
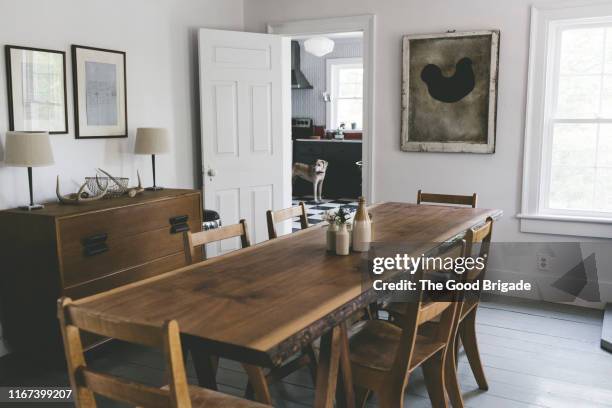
x=314 y=210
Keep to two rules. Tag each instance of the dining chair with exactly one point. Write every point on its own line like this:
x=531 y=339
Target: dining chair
x=86 y=382
x=285 y=214
x=384 y=354
x=447 y=199
x=466 y=329
x=194 y=240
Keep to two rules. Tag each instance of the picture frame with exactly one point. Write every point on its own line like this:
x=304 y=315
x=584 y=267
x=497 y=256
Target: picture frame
x=36 y=86
x=100 y=92
x=449 y=92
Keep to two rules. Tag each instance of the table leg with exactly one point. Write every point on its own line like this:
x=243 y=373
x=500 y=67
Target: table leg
x=257 y=379
x=205 y=367
x=346 y=393
x=327 y=369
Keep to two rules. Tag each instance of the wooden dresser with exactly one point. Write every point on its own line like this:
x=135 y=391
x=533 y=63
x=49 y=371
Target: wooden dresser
x=80 y=250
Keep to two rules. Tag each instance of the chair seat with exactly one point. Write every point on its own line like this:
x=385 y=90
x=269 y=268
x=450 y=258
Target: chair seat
x=375 y=346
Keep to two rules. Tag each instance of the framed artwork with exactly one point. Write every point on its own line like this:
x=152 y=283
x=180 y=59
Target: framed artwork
x=100 y=93
x=36 y=89
x=449 y=92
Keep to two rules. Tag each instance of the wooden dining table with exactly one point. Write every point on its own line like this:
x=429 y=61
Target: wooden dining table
x=261 y=305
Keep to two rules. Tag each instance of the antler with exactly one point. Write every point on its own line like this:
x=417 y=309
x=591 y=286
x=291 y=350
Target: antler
x=131 y=191
x=79 y=196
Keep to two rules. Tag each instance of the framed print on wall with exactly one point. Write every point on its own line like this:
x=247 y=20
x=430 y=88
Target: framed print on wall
x=100 y=93
x=449 y=92
x=36 y=84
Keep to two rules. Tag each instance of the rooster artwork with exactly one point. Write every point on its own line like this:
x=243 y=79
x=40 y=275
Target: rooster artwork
x=449 y=92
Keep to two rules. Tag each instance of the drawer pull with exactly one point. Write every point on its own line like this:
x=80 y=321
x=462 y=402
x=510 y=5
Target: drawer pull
x=179 y=224
x=95 y=245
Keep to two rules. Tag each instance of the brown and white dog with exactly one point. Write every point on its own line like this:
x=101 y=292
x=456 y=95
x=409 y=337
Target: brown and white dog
x=315 y=173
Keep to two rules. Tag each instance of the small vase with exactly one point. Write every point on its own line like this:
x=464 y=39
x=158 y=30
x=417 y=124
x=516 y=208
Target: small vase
x=362 y=228
x=342 y=240
x=331 y=237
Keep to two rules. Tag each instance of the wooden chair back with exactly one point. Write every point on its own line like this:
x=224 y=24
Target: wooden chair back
x=86 y=382
x=419 y=311
x=447 y=199
x=478 y=235
x=192 y=241
x=277 y=216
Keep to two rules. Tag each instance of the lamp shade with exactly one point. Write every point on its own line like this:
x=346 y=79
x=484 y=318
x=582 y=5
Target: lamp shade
x=28 y=149
x=319 y=46
x=152 y=141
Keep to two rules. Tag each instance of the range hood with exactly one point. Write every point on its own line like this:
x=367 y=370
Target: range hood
x=298 y=80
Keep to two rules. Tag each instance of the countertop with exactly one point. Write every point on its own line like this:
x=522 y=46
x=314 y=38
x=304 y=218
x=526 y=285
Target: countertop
x=330 y=140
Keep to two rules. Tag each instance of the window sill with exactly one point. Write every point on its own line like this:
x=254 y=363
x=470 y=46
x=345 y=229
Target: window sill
x=591 y=227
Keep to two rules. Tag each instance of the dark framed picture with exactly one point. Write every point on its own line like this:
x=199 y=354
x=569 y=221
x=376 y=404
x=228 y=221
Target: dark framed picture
x=449 y=92
x=36 y=83
x=100 y=93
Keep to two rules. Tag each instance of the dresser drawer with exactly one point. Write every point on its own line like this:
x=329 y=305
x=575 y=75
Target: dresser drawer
x=126 y=221
x=135 y=274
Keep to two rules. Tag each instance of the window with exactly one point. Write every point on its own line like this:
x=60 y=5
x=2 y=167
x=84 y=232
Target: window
x=345 y=87
x=568 y=147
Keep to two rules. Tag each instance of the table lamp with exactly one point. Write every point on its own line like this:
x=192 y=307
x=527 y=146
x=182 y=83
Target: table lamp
x=28 y=149
x=152 y=141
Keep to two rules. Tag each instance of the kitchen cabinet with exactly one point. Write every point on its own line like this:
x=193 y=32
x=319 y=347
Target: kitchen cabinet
x=343 y=178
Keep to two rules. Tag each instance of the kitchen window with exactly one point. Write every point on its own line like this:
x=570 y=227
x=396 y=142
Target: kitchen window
x=567 y=185
x=345 y=89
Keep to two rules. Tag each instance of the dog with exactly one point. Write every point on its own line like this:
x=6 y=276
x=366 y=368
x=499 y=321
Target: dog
x=314 y=173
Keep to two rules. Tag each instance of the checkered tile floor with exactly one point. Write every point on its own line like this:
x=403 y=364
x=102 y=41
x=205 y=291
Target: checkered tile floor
x=314 y=211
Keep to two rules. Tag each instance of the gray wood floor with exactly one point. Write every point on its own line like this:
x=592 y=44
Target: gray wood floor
x=535 y=355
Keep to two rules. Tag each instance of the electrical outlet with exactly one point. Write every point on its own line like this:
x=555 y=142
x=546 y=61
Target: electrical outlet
x=544 y=261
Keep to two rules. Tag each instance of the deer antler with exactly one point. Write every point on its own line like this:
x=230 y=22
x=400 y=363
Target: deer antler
x=79 y=196
x=131 y=191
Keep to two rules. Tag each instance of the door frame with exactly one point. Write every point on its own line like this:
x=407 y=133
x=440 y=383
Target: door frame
x=365 y=24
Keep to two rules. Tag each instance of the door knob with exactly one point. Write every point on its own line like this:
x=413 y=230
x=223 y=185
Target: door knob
x=212 y=172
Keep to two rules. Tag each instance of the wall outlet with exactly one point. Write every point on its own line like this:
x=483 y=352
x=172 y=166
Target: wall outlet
x=544 y=261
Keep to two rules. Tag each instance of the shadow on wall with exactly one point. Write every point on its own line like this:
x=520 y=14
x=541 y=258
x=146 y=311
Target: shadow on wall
x=194 y=96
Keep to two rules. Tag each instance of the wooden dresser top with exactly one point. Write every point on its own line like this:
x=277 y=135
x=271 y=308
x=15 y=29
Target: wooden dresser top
x=55 y=209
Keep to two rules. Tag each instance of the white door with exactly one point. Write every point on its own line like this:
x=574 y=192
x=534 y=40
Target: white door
x=245 y=102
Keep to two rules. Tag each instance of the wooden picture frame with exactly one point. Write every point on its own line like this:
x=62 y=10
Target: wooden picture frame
x=449 y=92
x=36 y=85
x=100 y=92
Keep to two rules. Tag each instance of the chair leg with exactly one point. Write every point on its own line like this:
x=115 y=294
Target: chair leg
x=259 y=383
x=391 y=399
x=361 y=397
x=467 y=329
x=433 y=371
x=312 y=363
x=450 y=377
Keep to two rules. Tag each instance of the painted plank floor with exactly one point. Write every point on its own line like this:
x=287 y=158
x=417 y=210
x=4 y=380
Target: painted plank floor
x=535 y=355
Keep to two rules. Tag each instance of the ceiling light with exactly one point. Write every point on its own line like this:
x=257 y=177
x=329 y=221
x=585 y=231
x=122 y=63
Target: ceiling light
x=319 y=46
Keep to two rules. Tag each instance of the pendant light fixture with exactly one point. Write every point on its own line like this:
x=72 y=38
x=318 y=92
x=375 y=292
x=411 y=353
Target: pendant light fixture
x=319 y=46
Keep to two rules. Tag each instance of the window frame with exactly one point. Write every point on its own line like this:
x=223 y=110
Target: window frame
x=547 y=23
x=331 y=108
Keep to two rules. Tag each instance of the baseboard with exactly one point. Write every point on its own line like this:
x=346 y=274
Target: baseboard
x=606 y=329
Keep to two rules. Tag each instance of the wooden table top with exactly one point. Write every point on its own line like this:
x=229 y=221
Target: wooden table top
x=261 y=304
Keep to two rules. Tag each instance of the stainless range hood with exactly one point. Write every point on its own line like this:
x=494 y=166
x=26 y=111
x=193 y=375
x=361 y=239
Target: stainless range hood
x=298 y=80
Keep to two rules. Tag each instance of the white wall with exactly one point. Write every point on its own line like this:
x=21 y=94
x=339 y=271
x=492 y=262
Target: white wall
x=309 y=103
x=159 y=37
x=398 y=175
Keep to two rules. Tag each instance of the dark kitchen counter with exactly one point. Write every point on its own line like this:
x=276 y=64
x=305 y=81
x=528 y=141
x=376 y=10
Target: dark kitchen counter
x=343 y=178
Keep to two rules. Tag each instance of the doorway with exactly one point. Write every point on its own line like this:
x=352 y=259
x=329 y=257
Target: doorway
x=332 y=72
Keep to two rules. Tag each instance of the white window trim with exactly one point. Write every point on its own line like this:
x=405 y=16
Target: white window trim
x=532 y=217
x=331 y=106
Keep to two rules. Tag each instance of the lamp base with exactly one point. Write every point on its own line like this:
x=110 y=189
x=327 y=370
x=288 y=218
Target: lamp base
x=32 y=207
x=155 y=188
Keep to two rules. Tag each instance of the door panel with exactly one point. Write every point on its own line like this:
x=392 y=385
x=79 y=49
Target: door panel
x=245 y=91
